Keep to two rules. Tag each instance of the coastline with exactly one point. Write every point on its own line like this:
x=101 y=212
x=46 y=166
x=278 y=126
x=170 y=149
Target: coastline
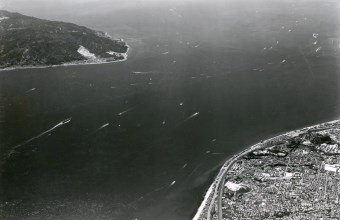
x=74 y=63
x=204 y=210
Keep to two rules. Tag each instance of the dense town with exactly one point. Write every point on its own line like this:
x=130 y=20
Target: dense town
x=292 y=176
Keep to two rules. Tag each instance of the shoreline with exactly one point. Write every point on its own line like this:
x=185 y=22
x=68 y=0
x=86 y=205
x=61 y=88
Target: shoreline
x=74 y=63
x=204 y=210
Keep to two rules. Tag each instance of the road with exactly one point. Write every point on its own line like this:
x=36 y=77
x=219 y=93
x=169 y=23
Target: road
x=219 y=181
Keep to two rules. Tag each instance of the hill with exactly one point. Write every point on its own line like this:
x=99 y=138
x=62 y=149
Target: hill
x=29 y=41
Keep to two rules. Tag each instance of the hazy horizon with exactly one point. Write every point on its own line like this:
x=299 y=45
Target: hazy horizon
x=59 y=9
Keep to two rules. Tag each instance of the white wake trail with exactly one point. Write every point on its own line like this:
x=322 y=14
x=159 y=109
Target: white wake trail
x=126 y=111
x=100 y=128
x=191 y=116
x=66 y=121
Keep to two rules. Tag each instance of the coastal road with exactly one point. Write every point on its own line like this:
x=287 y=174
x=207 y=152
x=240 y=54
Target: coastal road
x=221 y=177
x=219 y=189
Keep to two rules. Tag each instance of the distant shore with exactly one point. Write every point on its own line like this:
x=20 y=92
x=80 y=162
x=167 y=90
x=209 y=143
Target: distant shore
x=74 y=63
x=209 y=201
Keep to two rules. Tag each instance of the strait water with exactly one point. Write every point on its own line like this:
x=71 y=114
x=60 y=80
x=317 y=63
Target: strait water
x=203 y=80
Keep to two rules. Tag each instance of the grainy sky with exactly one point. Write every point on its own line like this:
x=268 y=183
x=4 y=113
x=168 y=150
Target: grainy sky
x=21 y=4
x=66 y=8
